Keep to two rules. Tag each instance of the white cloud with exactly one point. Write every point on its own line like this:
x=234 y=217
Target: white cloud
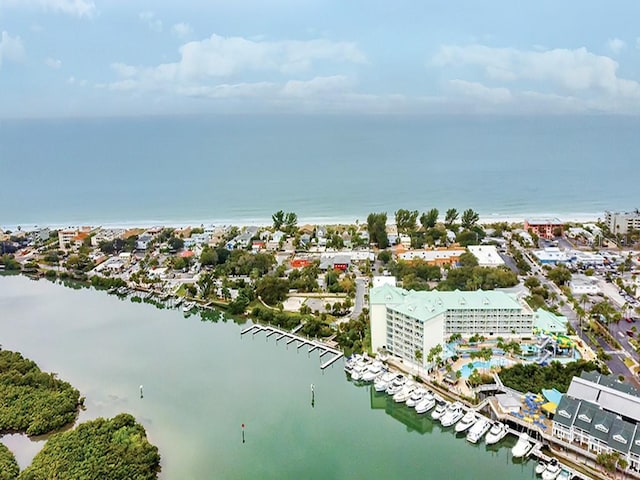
x=11 y=48
x=218 y=57
x=563 y=71
x=53 y=63
x=478 y=91
x=182 y=30
x=151 y=21
x=616 y=45
x=318 y=86
x=78 y=8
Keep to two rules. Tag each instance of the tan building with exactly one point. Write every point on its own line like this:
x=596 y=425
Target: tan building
x=545 y=227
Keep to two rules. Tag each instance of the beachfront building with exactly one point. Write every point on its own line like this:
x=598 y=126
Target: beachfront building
x=622 y=222
x=601 y=415
x=71 y=236
x=436 y=256
x=405 y=322
x=487 y=255
x=545 y=227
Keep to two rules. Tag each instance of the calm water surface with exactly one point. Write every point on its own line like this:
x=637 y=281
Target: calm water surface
x=202 y=381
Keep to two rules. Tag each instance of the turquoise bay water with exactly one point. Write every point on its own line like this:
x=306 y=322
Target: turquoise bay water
x=202 y=381
x=244 y=168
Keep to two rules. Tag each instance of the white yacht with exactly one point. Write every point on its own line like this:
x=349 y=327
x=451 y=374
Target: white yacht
x=426 y=404
x=498 y=431
x=188 y=306
x=469 y=419
x=478 y=430
x=541 y=467
x=522 y=446
x=552 y=471
x=453 y=415
x=359 y=369
x=405 y=393
x=382 y=382
x=351 y=362
x=396 y=385
x=372 y=371
x=440 y=409
x=415 y=397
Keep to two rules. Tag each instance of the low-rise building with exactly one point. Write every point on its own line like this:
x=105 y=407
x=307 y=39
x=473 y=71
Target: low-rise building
x=487 y=255
x=438 y=256
x=583 y=286
x=601 y=414
x=551 y=256
x=548 y=228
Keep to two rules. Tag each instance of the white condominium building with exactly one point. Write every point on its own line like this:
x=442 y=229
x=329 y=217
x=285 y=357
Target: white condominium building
x=405 y=322
x=622 y=222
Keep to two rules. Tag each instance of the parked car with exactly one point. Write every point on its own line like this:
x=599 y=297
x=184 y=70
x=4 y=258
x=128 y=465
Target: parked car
x=628 y=320
x=630 y=333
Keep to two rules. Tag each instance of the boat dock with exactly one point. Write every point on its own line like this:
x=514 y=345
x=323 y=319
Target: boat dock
x=293 y=337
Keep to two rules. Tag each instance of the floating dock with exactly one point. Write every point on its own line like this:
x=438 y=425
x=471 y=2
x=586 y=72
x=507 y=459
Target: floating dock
x=302 y=341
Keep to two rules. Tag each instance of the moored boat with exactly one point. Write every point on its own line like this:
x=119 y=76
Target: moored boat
x=405 y=392
x=441 y=408
x=426 y=404
x=497 y=432
x=522 y=446
x=382 y=382
x=372 y=371
x=466 y=422
x=552 y=471
x=453 y=415
x=541 y=467
x=417 y=395
x=396 y=385
x=477 y=431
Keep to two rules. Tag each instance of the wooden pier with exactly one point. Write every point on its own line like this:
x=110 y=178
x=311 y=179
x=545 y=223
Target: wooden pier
x=302 y=341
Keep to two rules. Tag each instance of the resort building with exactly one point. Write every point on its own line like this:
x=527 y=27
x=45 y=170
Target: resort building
x=405 y=322
x=487 y=255
x=545 y=227
x=622 y=222
x=438 y=256
x=601 y=414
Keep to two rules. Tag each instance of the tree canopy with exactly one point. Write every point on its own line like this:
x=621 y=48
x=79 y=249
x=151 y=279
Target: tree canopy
x=469 y=219
x=450 y=217
x=429 y=219
x=109 y=449
x=377 y=227
x=8 y=466
x=33 y=402
x=406 y=220
x=533 y=378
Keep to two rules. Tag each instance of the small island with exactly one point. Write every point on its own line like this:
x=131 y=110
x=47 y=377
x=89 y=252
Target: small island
x=36 y=403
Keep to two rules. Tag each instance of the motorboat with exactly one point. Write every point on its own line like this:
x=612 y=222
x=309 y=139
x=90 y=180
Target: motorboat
x=417 y=395
x=426 y=404
x=405 y=393
x=396 y=385
x=552 y=471
x=497 y=432
x=382 y=382
x=522 y=446
x=188 y=306
x=541 y=467
x=469 y=419
x=372 y=371
x=453 y=415
x=359 y=369
x=352 y=361
x=441 y=408
x=477 y=431
x=564 y=475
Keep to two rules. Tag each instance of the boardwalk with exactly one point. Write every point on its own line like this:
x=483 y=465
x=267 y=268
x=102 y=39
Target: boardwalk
x=302 y=341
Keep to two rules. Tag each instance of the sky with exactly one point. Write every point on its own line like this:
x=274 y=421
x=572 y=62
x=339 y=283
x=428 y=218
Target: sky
x=75 y=58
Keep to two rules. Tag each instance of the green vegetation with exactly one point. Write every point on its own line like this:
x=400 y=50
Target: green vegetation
x=285 y=221
x=352 y=335
x=429 y=219
x=533 y=378
x=406 y=220
x=377 y=227
x=559 y=275
x=9 y=262
x=8 y=466
x=33 y=402
x=415 y=274
x=475 y=278
x=104 y=282
x=106 y=449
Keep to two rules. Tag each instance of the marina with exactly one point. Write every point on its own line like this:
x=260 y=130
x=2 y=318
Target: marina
x=293 y=337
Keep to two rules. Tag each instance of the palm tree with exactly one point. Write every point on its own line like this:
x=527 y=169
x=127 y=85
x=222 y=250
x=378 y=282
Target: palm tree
x=450 y=217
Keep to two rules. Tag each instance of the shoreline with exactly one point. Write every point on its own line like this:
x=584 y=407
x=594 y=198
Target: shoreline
x=485 y=219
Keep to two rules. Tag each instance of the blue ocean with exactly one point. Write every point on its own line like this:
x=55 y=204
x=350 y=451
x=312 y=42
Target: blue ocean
x=241 y=169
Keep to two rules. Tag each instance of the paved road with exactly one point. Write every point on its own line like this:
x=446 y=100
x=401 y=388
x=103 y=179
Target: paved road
x=616 y=363
x=361 y=287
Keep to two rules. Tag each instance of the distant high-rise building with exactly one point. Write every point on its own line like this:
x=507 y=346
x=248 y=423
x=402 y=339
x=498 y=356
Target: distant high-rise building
x=621 y=223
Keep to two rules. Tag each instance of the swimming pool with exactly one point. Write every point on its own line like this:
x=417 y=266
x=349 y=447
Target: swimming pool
x=467 y=369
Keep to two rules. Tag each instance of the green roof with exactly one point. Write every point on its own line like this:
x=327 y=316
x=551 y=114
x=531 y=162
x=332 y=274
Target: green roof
x=546 y=321
x=426 y=304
